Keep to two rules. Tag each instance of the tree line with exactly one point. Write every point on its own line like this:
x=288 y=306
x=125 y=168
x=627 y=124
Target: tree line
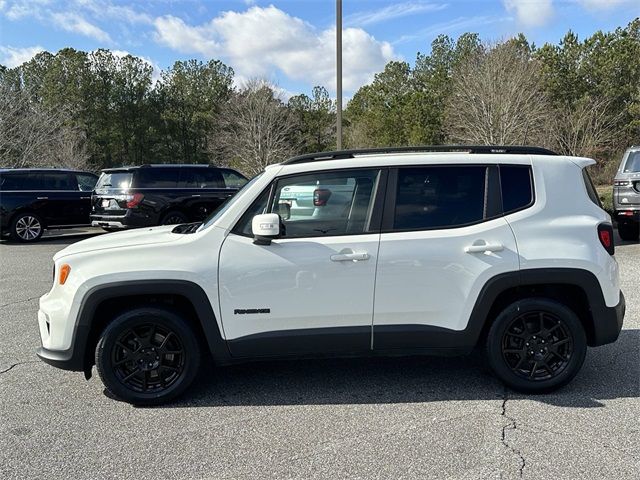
x=98 y=109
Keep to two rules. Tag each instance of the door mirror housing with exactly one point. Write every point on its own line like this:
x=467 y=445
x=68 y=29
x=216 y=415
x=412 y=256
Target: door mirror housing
x=265 y=227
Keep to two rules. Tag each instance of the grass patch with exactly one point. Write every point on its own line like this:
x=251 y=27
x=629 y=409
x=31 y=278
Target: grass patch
x=605 y=192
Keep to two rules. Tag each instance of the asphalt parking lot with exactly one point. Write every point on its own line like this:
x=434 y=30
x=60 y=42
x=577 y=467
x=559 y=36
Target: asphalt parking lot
x=380 y=418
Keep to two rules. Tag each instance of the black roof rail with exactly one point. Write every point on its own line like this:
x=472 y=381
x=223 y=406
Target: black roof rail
x=480 y=149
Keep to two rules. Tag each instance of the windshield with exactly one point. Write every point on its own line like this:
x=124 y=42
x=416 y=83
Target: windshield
x=114 y=180
x=230 y=201
x=633 y=163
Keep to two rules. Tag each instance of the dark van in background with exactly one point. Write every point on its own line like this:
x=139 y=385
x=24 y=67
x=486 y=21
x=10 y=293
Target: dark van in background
x=148 y=195
x=32 y=200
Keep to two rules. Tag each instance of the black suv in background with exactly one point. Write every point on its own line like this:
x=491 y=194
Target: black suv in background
x=148 y=195
x=32 y=200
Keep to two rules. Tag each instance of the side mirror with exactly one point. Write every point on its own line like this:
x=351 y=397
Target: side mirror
x=265 y=227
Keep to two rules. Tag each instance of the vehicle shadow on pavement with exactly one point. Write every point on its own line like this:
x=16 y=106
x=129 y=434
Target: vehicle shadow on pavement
x=609 y=372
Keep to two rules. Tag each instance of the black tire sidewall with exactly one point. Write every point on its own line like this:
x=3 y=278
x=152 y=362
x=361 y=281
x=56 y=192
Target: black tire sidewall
x=14 y=222
x=502 y=322
x=140 y=316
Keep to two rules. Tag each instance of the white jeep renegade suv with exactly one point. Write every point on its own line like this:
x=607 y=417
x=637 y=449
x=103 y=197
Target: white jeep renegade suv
x=430 y=250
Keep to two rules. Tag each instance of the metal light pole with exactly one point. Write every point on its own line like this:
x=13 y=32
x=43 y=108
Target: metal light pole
x=339 y=74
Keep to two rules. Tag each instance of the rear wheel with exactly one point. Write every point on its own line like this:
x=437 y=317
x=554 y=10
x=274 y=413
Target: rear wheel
x=629 y=231
x=27 y=227
x=147 y=356
x=536 y=345
x=174 y=218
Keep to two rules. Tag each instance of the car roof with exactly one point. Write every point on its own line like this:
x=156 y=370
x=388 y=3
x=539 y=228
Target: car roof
x=43 y=170
x=130 y=168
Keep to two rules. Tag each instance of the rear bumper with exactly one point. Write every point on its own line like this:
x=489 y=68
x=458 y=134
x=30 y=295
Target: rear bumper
x=131 y=219
x=607 y=322
x=629 y=215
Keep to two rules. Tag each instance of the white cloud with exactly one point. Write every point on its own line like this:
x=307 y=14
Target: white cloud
x=396 y=10
x=603 y=4
x=452 y=26
x=531 y=13
x=261 y=40
x=106 y=9
x=13 y=56
x=74 y=23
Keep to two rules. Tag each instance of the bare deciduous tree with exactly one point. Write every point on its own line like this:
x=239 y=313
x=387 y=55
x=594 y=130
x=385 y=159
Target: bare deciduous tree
x=585 y=128
x=255 y=129
x=32 y=135
x=497 y=98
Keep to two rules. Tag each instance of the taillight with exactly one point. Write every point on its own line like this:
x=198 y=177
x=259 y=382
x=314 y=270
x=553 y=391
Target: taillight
x=134 y=200
x=605 y=235
x=321 y=197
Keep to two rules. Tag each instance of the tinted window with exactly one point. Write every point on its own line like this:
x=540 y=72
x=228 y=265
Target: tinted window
x=19 y=181
x=325 y=203
x=58 y=181
x=157 y=177
x=517 y=189
x=114 y=180
x=201 y=178
x=86 y=182
x=233 y=179
x=591 y=190
x=439 y=197
x=633 y=163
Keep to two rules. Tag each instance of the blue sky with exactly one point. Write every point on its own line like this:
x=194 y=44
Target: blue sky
x=289 y=42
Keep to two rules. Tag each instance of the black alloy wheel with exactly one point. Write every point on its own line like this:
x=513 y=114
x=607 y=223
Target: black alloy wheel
x=536 y=345
x=174 y=218
x=148 y=356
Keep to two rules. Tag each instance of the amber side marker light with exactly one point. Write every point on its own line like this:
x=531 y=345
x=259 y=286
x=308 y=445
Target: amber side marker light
x=64 y=274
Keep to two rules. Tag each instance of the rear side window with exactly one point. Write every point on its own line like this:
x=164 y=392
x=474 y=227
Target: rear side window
x=19 y=181
x=159 y=177
x=86 y=182
x=201 y=178
x=439 y=197
x=517 y=187
x=58 y=181
x=233 y=179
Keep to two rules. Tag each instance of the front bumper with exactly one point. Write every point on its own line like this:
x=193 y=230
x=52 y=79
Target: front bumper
x=607 y=322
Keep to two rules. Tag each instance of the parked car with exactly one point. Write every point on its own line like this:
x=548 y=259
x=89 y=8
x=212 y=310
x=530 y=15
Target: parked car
x=149 y=195
x=626 y=195
x=34 y=199
x=437 y=250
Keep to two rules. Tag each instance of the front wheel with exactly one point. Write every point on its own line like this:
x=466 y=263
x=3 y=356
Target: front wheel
x=174 y=218
x=147 y=356
x=536 y=345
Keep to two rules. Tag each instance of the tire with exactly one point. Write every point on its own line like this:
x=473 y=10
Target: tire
x=174 y=218
x=27 y=227
x=629 y=231
x=554 y=334
x=132 y=356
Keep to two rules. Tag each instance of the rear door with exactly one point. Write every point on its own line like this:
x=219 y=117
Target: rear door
x=61 y=196
x=443 y=236
x=204 y=190
x=86 y=182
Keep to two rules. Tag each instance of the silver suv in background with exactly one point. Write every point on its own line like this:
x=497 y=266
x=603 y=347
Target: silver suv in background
x=626 y=195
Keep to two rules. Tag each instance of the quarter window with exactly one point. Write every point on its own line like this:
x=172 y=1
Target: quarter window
x=517 y=188
x=439 y=197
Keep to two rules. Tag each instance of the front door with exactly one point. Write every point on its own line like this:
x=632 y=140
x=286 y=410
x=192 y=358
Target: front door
x=310 y=291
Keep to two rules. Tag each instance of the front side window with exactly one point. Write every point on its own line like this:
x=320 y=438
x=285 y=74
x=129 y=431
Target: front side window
x=233 y=179
x=439 y=197
x=318 y=204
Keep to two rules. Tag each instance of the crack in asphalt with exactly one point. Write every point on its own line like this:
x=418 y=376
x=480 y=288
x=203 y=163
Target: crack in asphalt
x=20 y=301
x=17 y=364
x=512 y=425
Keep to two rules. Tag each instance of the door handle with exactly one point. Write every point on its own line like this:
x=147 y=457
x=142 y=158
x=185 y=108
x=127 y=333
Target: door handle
x=195 y=195
x=42 y=198
x=85 y=198
x=350 y=257
x=484 y=247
